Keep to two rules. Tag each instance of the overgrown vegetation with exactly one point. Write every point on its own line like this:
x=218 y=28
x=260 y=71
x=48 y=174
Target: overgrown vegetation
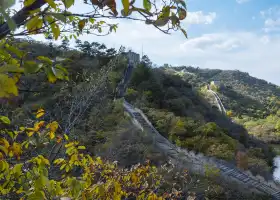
x=77 y=89
x=182 y=113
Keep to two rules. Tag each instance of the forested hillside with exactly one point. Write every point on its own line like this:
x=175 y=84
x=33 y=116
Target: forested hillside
x=251 y=102
x=178 y=111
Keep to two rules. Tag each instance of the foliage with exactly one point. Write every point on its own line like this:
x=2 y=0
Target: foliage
x=79 y=175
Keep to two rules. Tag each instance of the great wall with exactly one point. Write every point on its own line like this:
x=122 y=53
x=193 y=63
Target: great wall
x=193 y=162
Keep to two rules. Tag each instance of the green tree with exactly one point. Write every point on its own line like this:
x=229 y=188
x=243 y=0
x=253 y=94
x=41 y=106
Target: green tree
x=53 y=19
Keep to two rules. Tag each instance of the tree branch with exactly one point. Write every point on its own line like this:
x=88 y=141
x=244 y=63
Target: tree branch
x=20 y=17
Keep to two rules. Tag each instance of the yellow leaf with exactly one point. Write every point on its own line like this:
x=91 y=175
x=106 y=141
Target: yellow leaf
x=66 y=137
x=50 y=75
x=52 y=135
x=38 y=125
x=17 y=149
x=81 y=147
x=81 y=24
x=40 y=113
x=125 y=6
x=152 y=196
x=52 y=126
x=7 y=86
x=134 y=178
x=29 y=134
x=58 y=139
x=4 y=143
x=4 y=149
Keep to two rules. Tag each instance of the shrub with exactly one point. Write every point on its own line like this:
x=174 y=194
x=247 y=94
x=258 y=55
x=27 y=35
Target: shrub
x=28 y=173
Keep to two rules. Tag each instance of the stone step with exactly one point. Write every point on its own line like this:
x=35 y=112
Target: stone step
x=173 y=152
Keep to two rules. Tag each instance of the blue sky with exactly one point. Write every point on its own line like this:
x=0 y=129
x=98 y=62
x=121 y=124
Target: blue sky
x=224 y=34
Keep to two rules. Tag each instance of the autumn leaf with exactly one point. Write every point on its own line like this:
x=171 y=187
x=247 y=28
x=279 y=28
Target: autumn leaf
x=40 y=113
x=52 y=135
x=38 y=125
x=17 y=150
x=81 y=147
x=182 y=13
x=66 y=137
x=50 y=75
x=125 y=6
x=59 y=139
x=81 y=24
x=52 y=126
x=4 y=145
x=7 y=86
x=95 y=2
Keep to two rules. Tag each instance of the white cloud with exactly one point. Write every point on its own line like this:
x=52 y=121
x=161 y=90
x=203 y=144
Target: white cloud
x=271 y=19
x=242 y=1
x=245 y=51
x=199 y=17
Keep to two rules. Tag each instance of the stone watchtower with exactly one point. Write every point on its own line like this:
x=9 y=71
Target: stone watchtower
x=133 y=60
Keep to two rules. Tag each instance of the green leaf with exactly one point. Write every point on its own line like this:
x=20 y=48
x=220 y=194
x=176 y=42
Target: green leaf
x=55 y=30
x=68 y=3
x=81 y=147
x=50 y=75
x=14 y=50
x=58 y=73
x=60 y=17
x=7 y=3
x=147 y=5
x=125 y=7
x=51 y=3
x=91 y=20
x=31 y=67
x=37 y=195
x=11 y=23
x=181 y=2
x=28 y=2
x=45 y=59
x=5 y=120
x=32 y=22
x=11 y=68
x=184 y=32
x=142 y=10
x=61 y=68
x=161 y=21
x=165 y=11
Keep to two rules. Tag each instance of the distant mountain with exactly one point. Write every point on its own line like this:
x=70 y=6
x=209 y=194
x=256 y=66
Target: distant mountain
x=240 y=92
